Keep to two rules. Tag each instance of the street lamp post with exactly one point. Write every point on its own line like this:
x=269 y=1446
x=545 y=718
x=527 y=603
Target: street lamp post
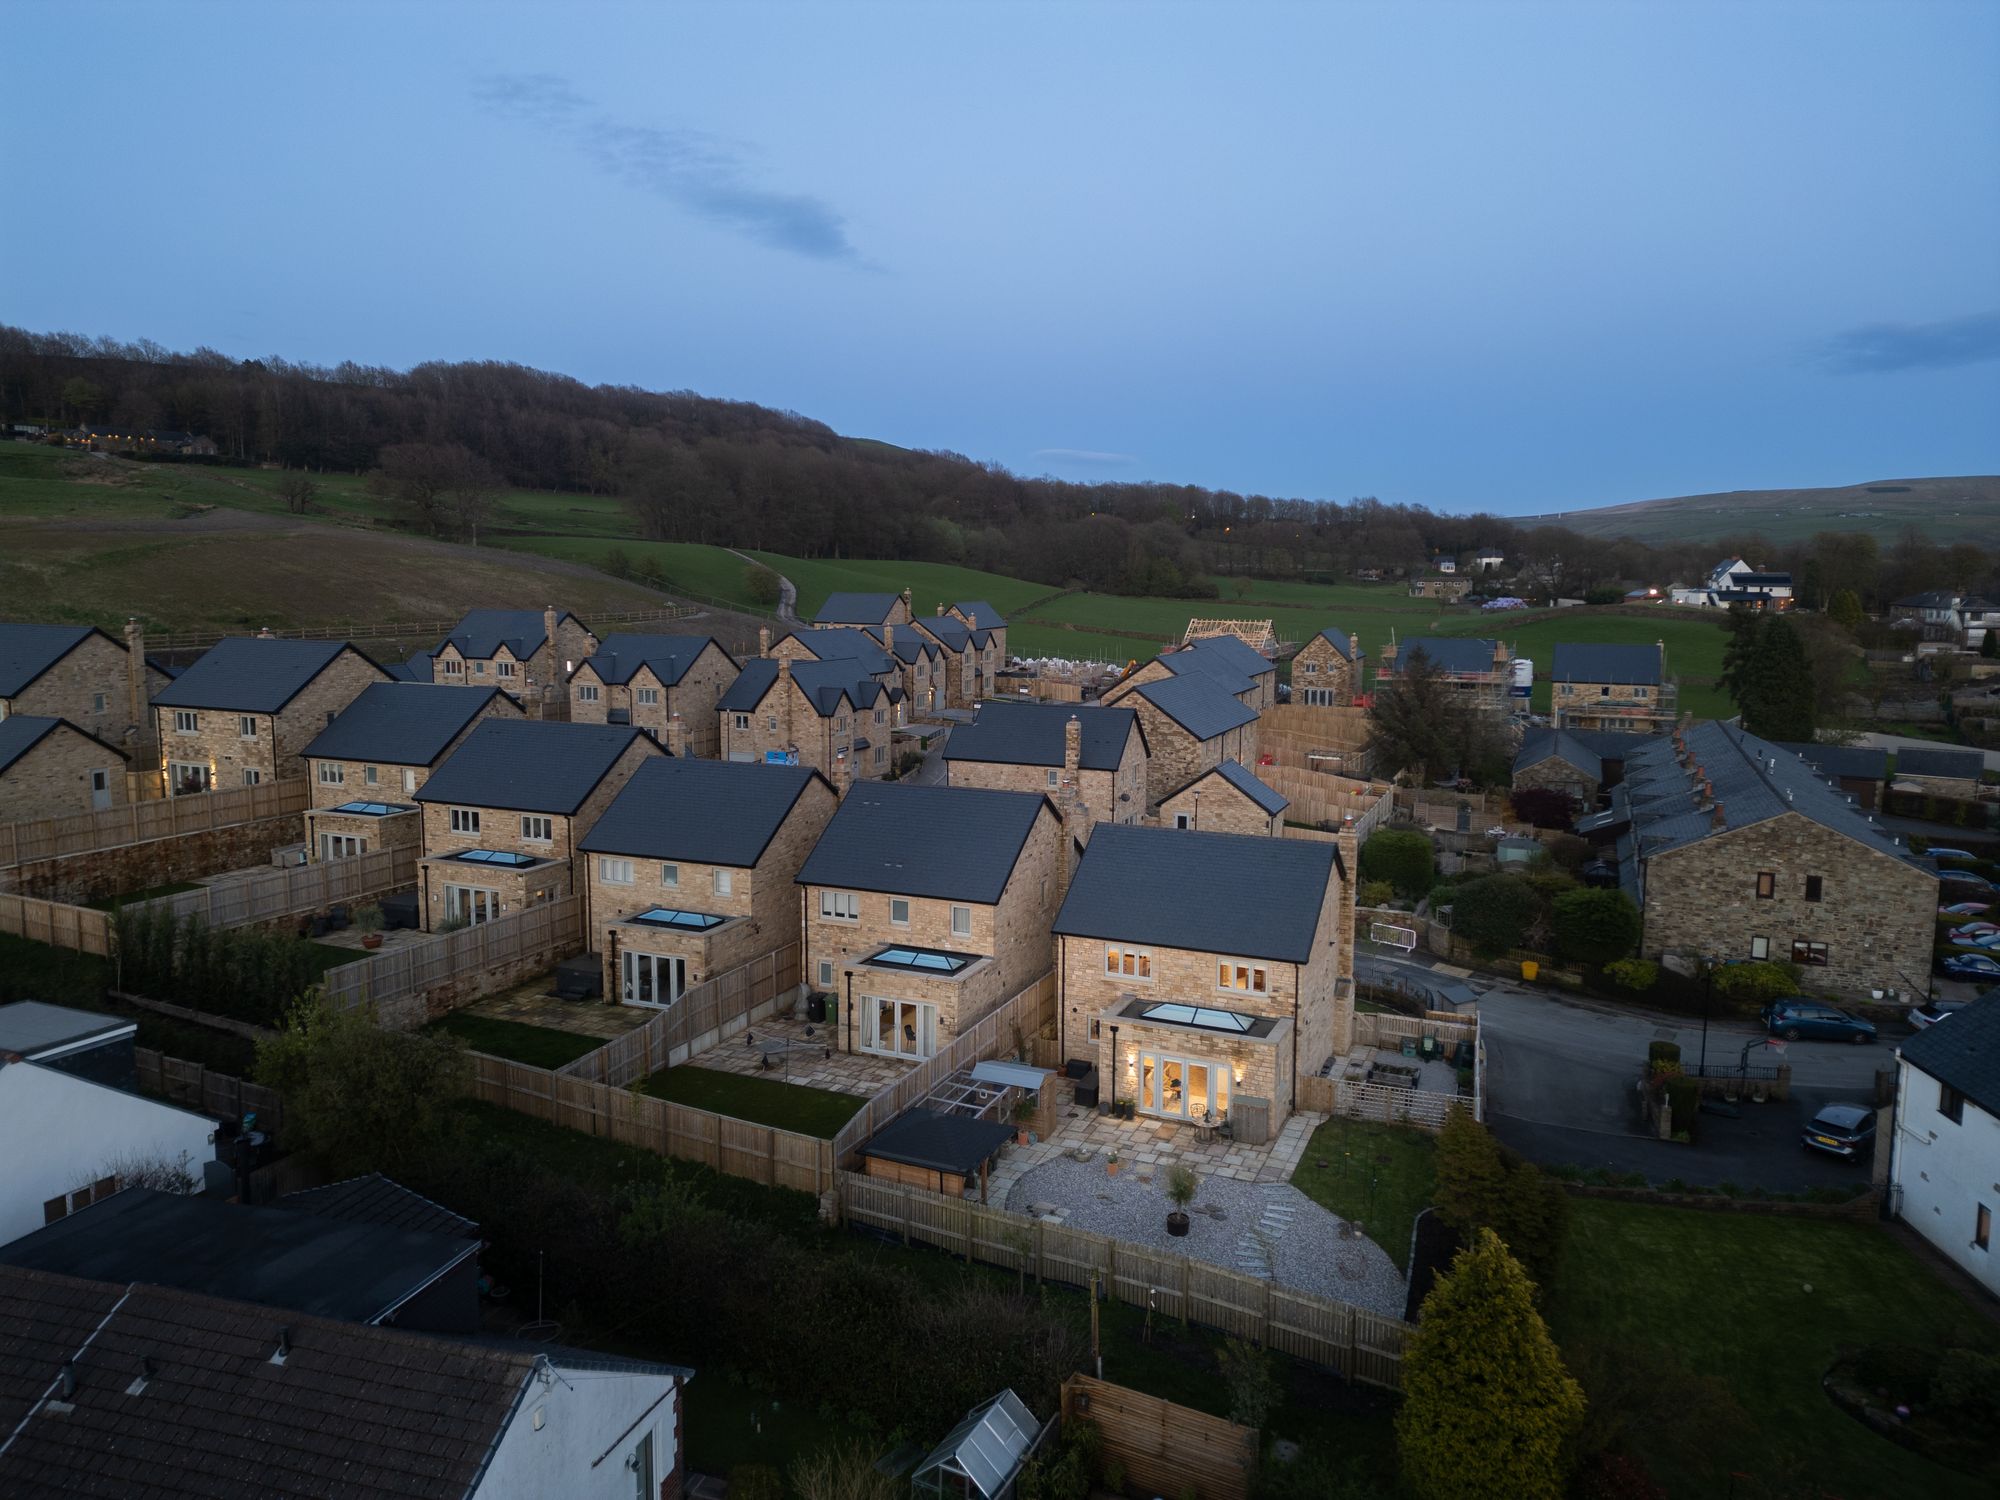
x=1707 y=1004
x=1117 y=1062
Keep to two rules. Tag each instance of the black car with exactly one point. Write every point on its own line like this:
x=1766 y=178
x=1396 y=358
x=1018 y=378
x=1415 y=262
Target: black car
x=1843 y=1130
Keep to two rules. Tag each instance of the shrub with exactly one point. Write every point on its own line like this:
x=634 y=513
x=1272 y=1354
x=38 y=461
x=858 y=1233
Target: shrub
x=1376 y=893
x=1757 y=982
x=1064 y=1470
x=845 y=1471
x=1635 y=974
x=761 y=587
x=1684 y=1095
x=1594 y=926
x=1494 y=912
x=1252 y=1381
x=618 y=562
x=1401 y=857
x=1480 y=1185
x=1898 y=1371
x=1658 y=1054
x=1967 y=1381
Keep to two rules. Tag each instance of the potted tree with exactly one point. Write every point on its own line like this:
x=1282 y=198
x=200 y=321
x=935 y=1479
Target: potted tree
x=1111 y=1165
x=369 y=920
x=1024 y=1111
x=1182 y=1185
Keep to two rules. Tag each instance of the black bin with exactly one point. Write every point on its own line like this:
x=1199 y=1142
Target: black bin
x=1086 y=1090
x=816 y=1006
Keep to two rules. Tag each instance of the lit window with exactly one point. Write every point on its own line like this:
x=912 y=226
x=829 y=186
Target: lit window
x=1248 y=978
x=1129 y=963
x=614 y=871
x=1809 y=953
x=1767 y=885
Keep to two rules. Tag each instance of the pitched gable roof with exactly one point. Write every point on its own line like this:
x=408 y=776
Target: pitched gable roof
x=529 y=765
x=1033 y=734
x=846 y=643
x=375 y=1199
x=1237 y=776
x=825 y=683
x=27 y=651
x=1337 y=638
x=953 y=634
x=714 y=812
x=400 y=723
x=982 y=615
x=621 y=654
x=857 y=609
x=417 y=668
x=906 y=644
x=484 y=631
x=20 y=733
x=1855 y=762
x=1964 y=1052
x=1964 y=765
x=1630 y=665
x=1232 y=893
x=1225 y=653
x=1198 y=703
x=252 y=674
x=1541 y=744
x=1448 y=653
x=946 y=843
x=363 y=1412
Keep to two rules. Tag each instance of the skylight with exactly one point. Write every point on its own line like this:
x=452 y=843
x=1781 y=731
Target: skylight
x=1199 y=1015
x=496 y=857
x=920 y=960
x=371 y=809
x=666 y=916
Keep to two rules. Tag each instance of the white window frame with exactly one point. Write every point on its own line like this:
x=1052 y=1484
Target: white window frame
x=649 y=697
x=742 y=721
x=586 y=692
x=840 y=906
x=904 y=919
x=504 y=668
x=612 y=870
x=465 y=820
x=252 y=776
x=246 y=726
x=961 y=921
x=337 y=776
x=100 y=703
x=409 y=779
x=1242 y=976
x=1055 y=780
x=187 y=721
x=724 y=882
x=1760 y=948
x=916 y=1042
x=670 y=877
x=370 y=776
x=201 y=768
x=342 y=846
x=1121 y=962
x=826 y=973
x=537 y=828
x=473 y=903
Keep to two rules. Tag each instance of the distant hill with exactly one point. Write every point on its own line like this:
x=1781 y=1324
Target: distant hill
x=1948 y=510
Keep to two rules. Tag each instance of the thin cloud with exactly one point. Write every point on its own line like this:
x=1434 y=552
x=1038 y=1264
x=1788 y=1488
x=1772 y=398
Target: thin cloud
x=1084 y=456
x=699 y=172
x=1883 y=347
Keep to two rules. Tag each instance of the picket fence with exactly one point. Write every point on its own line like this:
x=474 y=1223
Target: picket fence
x=417 y=968
x=83 y=928
x=269 y=894
x=220 y=1094
x=1360 y=1344
x=704 y=1016
x=137 y=822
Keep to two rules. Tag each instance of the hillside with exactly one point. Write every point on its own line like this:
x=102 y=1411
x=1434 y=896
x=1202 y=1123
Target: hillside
x=1965 y=509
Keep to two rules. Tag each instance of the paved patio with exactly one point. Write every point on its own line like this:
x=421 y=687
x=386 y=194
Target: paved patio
x=534 y=1003
x=1382 y=1064
x=806 y=1061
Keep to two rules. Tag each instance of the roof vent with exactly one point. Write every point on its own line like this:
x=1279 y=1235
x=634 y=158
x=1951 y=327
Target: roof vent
x=284 y=1349
x=66 y=1382
x=142 y=1379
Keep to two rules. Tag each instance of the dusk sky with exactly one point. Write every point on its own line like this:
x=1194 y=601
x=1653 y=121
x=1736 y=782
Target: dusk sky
x=1519 y=257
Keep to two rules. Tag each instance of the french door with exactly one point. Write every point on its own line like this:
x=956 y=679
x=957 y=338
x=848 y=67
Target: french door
x=901 y=1028
x=470 y=904
x=651 y=978
x=342 y=846
x=1181 y=1088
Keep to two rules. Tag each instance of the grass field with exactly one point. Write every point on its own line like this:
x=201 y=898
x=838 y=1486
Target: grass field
x=930 y=584
x=783 y=1106
x=1763 y=1304
x=537 y=1046
x=1379 y=1176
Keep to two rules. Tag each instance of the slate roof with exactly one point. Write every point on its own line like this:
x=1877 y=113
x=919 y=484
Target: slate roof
x=1624 y=666
x=374 y=1199
x=1198 y=703
x=416 y=669
x=1539 y=745
x=365 y=1413
x=399 y=723
x=983 y=615
x=1753 y=779
x=1233 y=893
x=1337 y=638
x=27 y=651
x=940 y=842
x=906 y=644
x=1963 y=1052
x=1032 y=734
x=528 y=765
x=954 y=634
x=1763 y=580
x=846 y=643
x=825 y=683
x=621 y=654
x=1965 y=764
x=484 y=631
x=303 y=1262
x=713 y=812
x=856 y=609
x=1935 y=599
x=31 y=1027
x=1224 y=657
x=1856 y=762
x=938 y=1142
x=1448 y=653
x=1232 y=772
x=251 y=674
x=20 y=733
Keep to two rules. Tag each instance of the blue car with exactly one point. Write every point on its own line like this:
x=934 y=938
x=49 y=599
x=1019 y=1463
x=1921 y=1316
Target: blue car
x=1971 y=966
x=1799 y=1018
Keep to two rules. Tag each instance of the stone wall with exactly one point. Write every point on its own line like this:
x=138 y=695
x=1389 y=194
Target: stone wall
x=71 y=689
x=53 y=779
x=270 y=751
x=1178 y=757
x=392 y=782
x=104 y=873
x=1107 y=796
x=694 y=698
x=1214 y=806
x=1876 y=915
x=1558 y=775
x=1320 y=669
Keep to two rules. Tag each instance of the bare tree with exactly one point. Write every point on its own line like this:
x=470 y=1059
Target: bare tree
x=297 y=490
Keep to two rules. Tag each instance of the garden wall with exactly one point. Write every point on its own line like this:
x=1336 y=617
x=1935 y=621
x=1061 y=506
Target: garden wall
x=422 y=981
x=704 y=1016
x=42 y=839
x=267 y=895
x=104 y=873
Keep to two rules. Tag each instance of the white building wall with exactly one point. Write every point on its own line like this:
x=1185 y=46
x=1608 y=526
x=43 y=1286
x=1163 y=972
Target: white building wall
x=581 y=1447
x=1942 y=1172
x=61 y=1133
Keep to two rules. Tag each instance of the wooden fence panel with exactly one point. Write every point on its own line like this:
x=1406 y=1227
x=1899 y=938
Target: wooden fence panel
x=83 y=929
x=1165 y=1449
x=220 y=1094
x=138 y=822
x=273 y=893
x=414 y=970
x=703 y=1017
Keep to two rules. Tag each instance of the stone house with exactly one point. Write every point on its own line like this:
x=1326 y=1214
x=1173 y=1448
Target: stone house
x=1073 y=753
x=50 y=769
x=1558 y=760
x=79 y=673
x=1858 y=770
x=977 y=614
x=1611 y=687
x=1737 y=849
x=369 y=763
x=529 y=653
x=1479 y=668
x=972 y=658
x=1940 y=773
x=649 y=680
x=503 y=814
x=1226 y=799
x=827 y=715
x=690 y=871
x=1326 y=672
x=864 y=609
x=1199 y=968
x=844 y=643
x=1450 y=590
x=1946 y=1139
x=245 y=711
x=926 y=907
x=1192 y=724
x=1224 y=660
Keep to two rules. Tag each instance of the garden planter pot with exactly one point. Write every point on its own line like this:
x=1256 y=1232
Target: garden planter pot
x=1177 y=1223
x=1111 y=1169
x=372 y=940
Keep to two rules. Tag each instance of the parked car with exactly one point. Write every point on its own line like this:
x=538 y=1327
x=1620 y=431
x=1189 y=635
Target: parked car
x=1935 y=853
x=1937 y=1010
x=1843 y=1130
x=1972 y=932
x=1965 y=908
x=1799 y=1017
x=1965 y=966
x=1953 y=881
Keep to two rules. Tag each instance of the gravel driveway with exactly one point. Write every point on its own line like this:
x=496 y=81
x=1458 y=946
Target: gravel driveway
x=1266 y=1229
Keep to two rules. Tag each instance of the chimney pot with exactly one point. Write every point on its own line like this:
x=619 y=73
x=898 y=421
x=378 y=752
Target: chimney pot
x=763 y=640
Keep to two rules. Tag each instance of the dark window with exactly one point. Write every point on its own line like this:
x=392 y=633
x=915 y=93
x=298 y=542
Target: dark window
x=1951 y=1104
x=1808 y=953
x=1812 y=887
x=1767 y=885
x=1982 y=1228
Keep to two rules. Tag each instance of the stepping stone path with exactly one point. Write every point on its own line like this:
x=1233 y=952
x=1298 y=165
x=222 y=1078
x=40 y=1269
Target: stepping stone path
x=1253 y=1248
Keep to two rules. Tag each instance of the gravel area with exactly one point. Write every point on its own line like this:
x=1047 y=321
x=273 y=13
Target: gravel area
x=1264 y=1228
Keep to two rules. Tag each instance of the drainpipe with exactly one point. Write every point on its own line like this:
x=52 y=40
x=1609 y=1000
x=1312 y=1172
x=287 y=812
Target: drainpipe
x=849 y=1007
x=1295 y=1036
x=1062 y=997
x=1116 y=1063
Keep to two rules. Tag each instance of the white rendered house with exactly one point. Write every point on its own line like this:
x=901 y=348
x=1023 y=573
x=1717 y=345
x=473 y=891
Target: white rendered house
x=1944 y=1165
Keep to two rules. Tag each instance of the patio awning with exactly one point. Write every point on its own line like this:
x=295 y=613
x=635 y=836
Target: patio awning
x=1014 y=1075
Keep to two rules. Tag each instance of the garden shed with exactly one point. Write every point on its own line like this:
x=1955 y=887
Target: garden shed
x=983 y=1455
x=938 y=1152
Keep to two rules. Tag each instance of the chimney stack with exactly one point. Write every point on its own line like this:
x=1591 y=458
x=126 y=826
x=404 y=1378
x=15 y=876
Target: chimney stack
x=676 y=735
x=784 y=669
x=264 y=633
x=763 y=640
x=940 y=610
x=843 y=775
x=907 y=612
x=1072 y=749
x=1720 y=821
x=1353 y=646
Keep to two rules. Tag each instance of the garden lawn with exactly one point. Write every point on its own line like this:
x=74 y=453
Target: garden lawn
x=1402 y=1163
x=761 y=1101
x=517 y=1041
x=1765 y=1304
x=728 y=1424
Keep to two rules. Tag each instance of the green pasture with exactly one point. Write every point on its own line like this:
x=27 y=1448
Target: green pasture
x=930 y=584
